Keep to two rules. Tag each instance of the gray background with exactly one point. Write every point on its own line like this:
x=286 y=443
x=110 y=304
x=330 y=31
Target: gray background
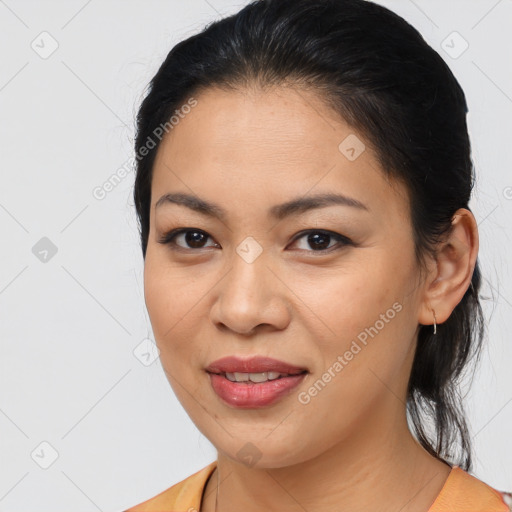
x=73 y=373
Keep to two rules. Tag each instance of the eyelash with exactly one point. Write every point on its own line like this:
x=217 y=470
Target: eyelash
x=169 y=237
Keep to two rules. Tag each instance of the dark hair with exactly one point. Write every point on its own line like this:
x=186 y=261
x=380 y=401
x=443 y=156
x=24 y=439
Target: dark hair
x=380 y=75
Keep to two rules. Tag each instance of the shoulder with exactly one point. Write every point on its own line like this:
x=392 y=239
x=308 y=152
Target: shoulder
x=466 y=493
x=507 y=498
x=184 y=496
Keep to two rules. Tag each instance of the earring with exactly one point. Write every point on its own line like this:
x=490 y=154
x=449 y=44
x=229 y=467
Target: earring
x=435 y=325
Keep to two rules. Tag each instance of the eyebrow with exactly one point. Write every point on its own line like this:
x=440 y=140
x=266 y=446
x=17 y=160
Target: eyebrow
x=295 y=206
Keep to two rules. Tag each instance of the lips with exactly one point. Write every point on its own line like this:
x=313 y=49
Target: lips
x=255 y=364
x=255 y=382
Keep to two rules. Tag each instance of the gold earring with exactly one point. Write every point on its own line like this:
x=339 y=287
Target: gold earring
x=435 y=325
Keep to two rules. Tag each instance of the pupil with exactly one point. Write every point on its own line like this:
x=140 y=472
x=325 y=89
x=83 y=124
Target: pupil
x=314 y=238
x=193 y=238
x=317 y=240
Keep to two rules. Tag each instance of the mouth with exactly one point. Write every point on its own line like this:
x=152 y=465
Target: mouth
x=256 y=377
x=253 y=368
x=253 y=383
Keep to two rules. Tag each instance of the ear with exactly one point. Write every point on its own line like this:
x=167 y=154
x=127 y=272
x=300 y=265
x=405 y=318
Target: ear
x=451 y=271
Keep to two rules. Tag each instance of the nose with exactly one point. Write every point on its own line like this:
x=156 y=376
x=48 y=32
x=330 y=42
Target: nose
x=250 y=296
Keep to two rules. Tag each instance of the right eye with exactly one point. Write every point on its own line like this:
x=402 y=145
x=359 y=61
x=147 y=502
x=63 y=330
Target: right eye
x=195 y=238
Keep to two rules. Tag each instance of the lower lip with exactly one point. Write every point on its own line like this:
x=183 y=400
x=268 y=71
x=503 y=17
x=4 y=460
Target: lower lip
x=251 y=395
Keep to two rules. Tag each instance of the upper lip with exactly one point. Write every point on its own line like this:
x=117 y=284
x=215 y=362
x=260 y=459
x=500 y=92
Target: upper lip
x=255 y=364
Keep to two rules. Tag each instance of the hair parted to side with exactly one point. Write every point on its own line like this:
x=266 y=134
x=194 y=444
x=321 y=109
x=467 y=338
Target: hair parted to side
x=383 y=79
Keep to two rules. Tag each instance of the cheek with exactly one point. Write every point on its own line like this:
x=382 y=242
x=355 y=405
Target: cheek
x=167 y=301
x=172 y=329
x=165 y=289
x=157 y=297
x=175 y=301
x=364 y=314
x=343 y=302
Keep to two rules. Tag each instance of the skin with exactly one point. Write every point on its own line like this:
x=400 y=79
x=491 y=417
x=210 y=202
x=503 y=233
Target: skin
x=349 y=448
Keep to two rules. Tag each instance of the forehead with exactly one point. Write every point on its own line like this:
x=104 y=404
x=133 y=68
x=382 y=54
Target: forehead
x=260 y=145
x=281 y=121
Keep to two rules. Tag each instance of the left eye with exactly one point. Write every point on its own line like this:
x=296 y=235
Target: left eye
x=320 y=241
x=193 y=237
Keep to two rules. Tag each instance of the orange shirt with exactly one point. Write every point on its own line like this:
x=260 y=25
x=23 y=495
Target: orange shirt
x=461 y=492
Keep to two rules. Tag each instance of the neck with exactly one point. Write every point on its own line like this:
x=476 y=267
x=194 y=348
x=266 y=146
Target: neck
x=378 y=467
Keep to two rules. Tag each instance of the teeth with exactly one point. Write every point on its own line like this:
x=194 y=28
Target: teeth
x=254 y=377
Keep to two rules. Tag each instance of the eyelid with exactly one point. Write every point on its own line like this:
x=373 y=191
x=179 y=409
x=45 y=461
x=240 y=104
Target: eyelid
x=169 y=237
x=342 y=240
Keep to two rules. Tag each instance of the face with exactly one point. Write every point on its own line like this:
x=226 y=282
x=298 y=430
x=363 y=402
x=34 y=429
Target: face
x=330 y=287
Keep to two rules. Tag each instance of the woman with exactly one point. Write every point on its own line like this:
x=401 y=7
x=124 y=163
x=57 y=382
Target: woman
x=311 y=272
